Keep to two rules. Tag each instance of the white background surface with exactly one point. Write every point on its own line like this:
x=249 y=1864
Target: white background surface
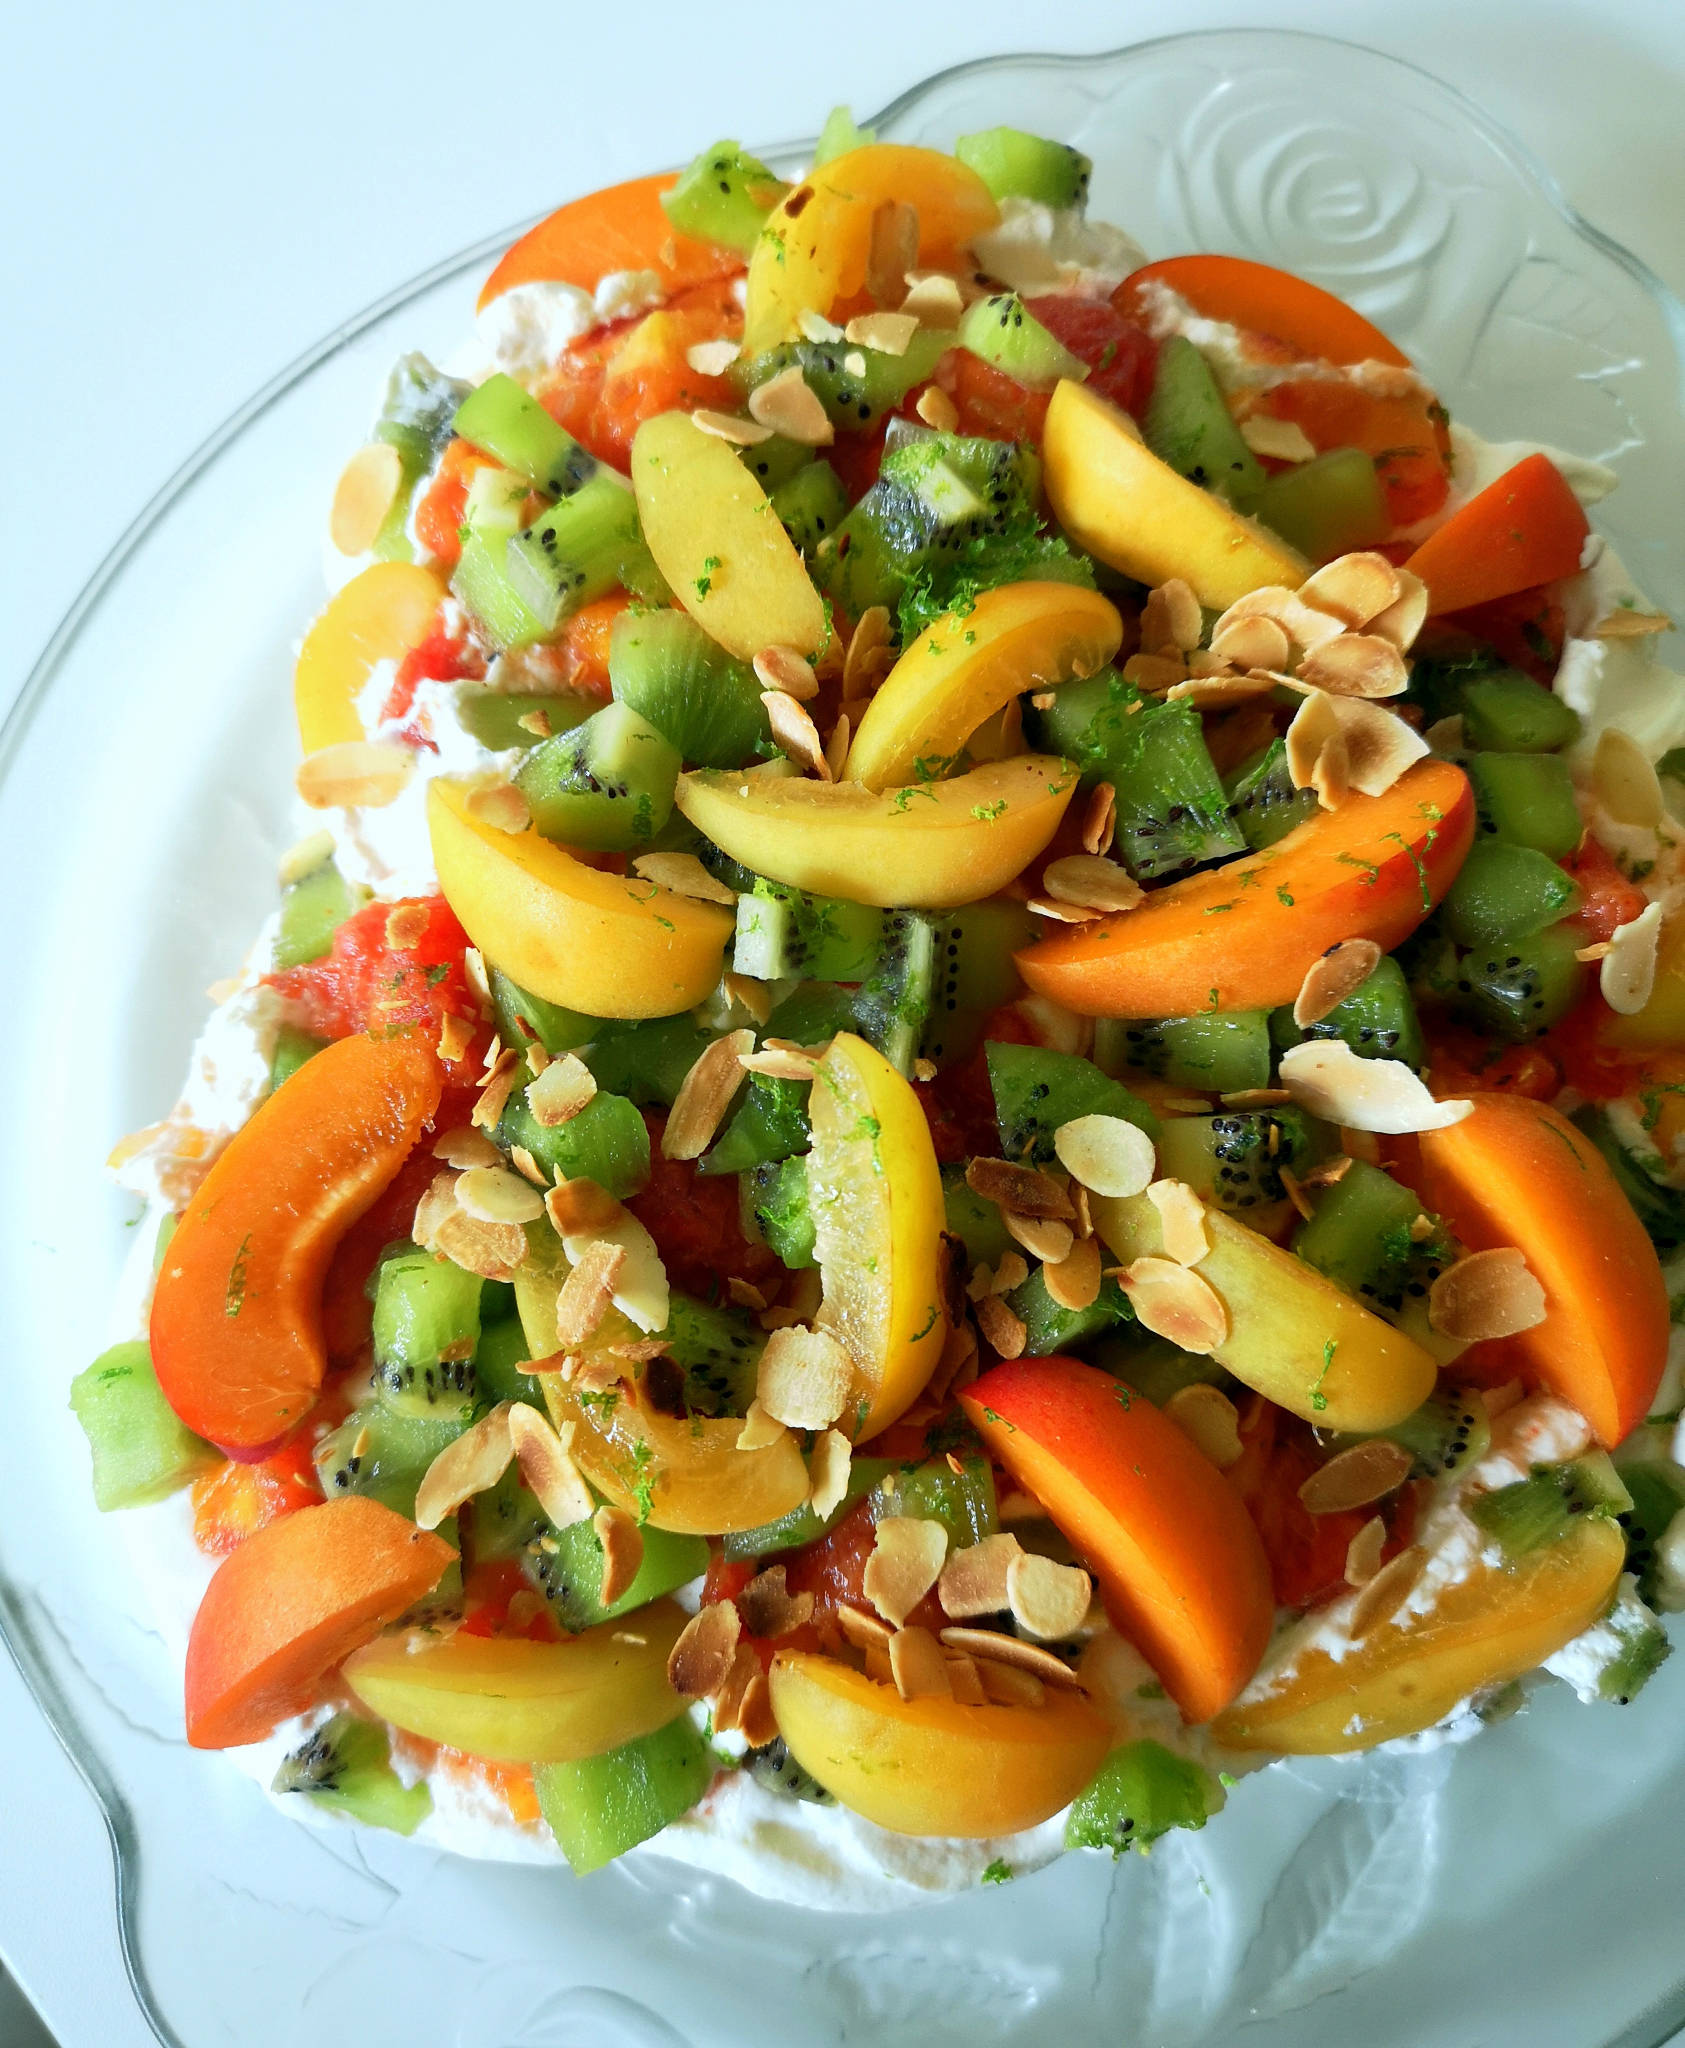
x=197 y=190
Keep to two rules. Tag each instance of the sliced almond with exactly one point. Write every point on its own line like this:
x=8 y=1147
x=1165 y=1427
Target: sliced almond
x=472 y=1464
x=1005 y=1331
x=1333 y=977
x=700 y=1662
x=769 y=1608
x=935 y=299
x=353 y=775
x=787 y=405
x=494 y=1096
x=836 y=748
x=1108 y=1154
x=803 y=1378
x=1363 y=1552
x=1207 y=1416
x=1022 y=1189
x=1010 y=1273
x=474 y=972
x=1170 y=620
x=1063 y=913
x=1326 y=1077
x=622 y=1546
x=871 y=652
x=1173 y=1301
x=465 y=1147
x=973 y=1580
x=704 y=1096
x=917 y=1665
x=1048 y=1600
x=1627 y=623
x=783 y=668
x=1488 y=1294
x=1099 y=825
x=1387 y=1592
x=779 y=1063
x=1305 y=626
x=1155 y=673
x=796 y=734
x=1041 y=1236
x=712 y=358
x=755 y=1716
x=1357 y=665
x=1354 y=588
x=759 y=1429
x=1281 y=440
x=965 y=1682
x=1446 y=735
x=587 y=1294
x=815 y=327
x=1628 y=973
x=495 y=1195
x=1008 y=1685
x=406 y=926
x=363 y=496
x=499 y=805
x=1087 y=878
x=1181 y=1216
x=576 y=1207
x=906 y=1561
x=565 y=1087
x=1405 y=617
x=937 y=409
x=496 y=1251
x=1252 y=643
x=1221 y=692
x=685 y=875
x=548 y=1468
x=1073 y=1282
x=1357 y=1477
x=988 y=1646
x=888 y=333
x=865 y=1631
x=730 y=426
x=1624 y=780
x=1377 y=746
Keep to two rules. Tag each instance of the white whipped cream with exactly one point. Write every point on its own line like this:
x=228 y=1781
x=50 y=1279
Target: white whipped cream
x=1037 y=248
x=526 y=328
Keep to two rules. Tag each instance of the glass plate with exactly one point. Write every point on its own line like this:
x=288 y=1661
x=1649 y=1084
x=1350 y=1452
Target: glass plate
x=1515 y=1891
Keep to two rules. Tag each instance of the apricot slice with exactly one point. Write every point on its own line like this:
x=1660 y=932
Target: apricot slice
x=718 y=542
x=1270 y=302
x=237 y=1313
x=295 y=1598
x=966 y=666
x=1517 y=1172
x=1242 y=936
x=930 y=847
x=933 y=1766
x=377 y=616
x=875 y=1190
x=1115 y=498
x=518 y=1701
x=815 y=249
x=1498 y=1622
x=1169 y=1540
x=610 y=945
x=623 y=227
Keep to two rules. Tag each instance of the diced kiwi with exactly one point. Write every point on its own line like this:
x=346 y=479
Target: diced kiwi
x=607 y=785
x=1540 y=1508
x=1139 y=1794
x=1517 y=988
x=1233 y=1159
x=1049 y=1327
x=1007 y=335
x=647 y=1058
x=718 y=1350
x=1087 y=722
x=840 y=134
x=977 y=1224
x=493 y=717
x=576 y=552
x=346 y=1766
x=1362 y=1237
x=523 y=1018
x=426 y=1325
x=1328 y=506
x=1173 y=814
x=855 y=385
x=415 y=418
x=1526 y=800
x=292 y=1048
x=601 y=1806
x=384 y=1451
x=777 y=1197
x=1015 y=165
x=769 y=1126
x=963 y=1501
x=142 y=1452
x=1644 y=1649
x=1156 y=1368
x=1219 y=1054
x=776 y=1769
x=892 y=1003
x=1658 y=1496
x=1036 y=1090
x=565 y=1567
x=783 y=930
x=504 y=419
x=1188 y=425
x=1266 y=805
x=608 y=1141
x=802 y=1526
x=500 y=1522
x=1505 y=891
x=774 y=462
x=724 y=196
x=1660 y=1208
x=500 y=1361
x=313 y=907
x=973 y=969
x=706 y=702
x=811 y=506
x=1509 y=713
x=1447 y=1434
x=1377 y=1020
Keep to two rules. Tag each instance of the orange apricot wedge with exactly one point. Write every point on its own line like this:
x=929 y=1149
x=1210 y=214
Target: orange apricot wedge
x=1517 y=1172
x=1242 y=936
x=292 y=1602
x=623 y=227
x=1526 y=528
x=1266 y=301
x=237 y=1312
x=1177 y=1557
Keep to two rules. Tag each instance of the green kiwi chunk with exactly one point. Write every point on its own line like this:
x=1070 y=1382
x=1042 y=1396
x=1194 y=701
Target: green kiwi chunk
x=776 y=1769
x=1377 y=1020
x=704 y=701
x=1505 y=891
x=384 y=1451
x=1447 y=1434
x=840 y=134
x=1188 y=425
x=1541 y=1508
x=1049 y=1327
x=523 y=1018
x=586 y=545
x=1007 y=335
x=1221 y=1053
x=1508 y=713
x=1658 y=1496
x=1015 y=165
x=1036 y=1090
x=415 y=418
x=313 y=907
x=504 y=419
x=1362 y=1237
x=775 y=1194
x=606 y=786
x=811 y=506
x=1139 y=1794
x=979 y=1225
x=1526 y=800
x=724 y=196
x=1660 y=1208
x=963 y=1501
x=1517 y=988
x=1173 y=814
x=292 y=1048
x=646 y=1059
x=802 y=1526
x=769 y=1128
x=565 y=1566
x=142 y=1452
x=1331 y=505
x=1266 y=805
x=426 y=1328
x=608 y=1141
x=855 y=385
x=1234 y=1158
x=599 y=1807
x=345 y=1766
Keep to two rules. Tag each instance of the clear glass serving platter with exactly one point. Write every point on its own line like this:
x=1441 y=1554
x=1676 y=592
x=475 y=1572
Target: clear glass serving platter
x=1518 y=1890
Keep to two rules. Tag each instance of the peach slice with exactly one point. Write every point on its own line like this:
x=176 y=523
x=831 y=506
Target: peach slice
x=377 y=616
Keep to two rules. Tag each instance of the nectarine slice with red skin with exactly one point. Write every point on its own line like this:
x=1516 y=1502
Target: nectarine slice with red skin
x=1242 y=936
x=1178 y=1560
x=1517 y=1172
x=623 y=227
x=293 y=1601
x=237 y=1314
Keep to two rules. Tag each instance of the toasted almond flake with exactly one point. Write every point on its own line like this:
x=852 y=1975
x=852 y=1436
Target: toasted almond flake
x=888 y=333
x=474 y=972
x=781 y=1316
x=748 y=994
x=472 y=1464
x=1008 y=1685
x=803 y=1378
x=1488 y=1294
x=1155 y=673
x=1073 y=1282
x=836 y=748
x=363 y=496
x=704 y=1096
x=1080 y=1203
x=1405 y=617
x=685 y=875
x=796 y=734
x=1048 y=1599
x=965 y=1682
x=924 y=1070
x=855 y=363
x=1446 y=736
x=1170 y=619
x=1305 y=626
x=1023 y=1189
x=1281 y=440
x=495 y=1251
x=1378 y=745
x=537 y=722
x=733 y=1690
x=906 y=1561
x=1326 y=1077
x=353 y=775
x=935 y=299
x=1598 y=951
x=1252 y=643
x=1363 y=1552
x=304 y=857
x=1357 y=665
x=779 y=1065
x=1623 y=623
x=815 y=327
x=497 y=1060
x=769 y=1608
x=500 y=805
x=1005 y=1331
x=1181 y=1216
x=1624 y=780
x=1063 y=913
x=1354 y=588
x=576 y=1207
x=1174 y=1302
x=1329 y=1172
x=918 y=1666
x=591 y=1373
x=759 y=1429
x=1207 y=1416
x=730 y=426
x=865 y=1631
x=744 y=1293
x=547 y=1467
x=1294 y=1190
x=783 y=668
x=406 y=926
x=1108 y=1154
x=989 y=1647
x=937 y=409
x=1334 y=977
x=1099 y=823
x=787 y=405
x=1041 y=1236
x=564 y=1088
x=623 y=1551
x=464 y=1148
x=1186 y=1105
x=1087 y=878
x=1356 y=1478
x=587 y=1294
x=827 y=1470
x=892 y=250
x=434 y=1207
x=1628 y=973
x=1218 y=693
x=1010 y=1273
x=712 y=358
x=755 y=1716
x=495 y=1195
x=870 y=652
x=876 y=1663
x=488 y=1109
x=1421 y=1229
x=973 y=1580
x=1386 y=1592
x=1361 y=1145
x=1253 y=1098
x=701 y=1659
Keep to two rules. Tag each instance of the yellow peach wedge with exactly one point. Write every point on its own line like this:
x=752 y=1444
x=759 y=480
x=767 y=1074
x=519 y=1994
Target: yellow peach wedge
x=929 y=847
x=1115 y=498
x=378 y=616
x=815 y=250
x=610 y=945
x=718 y=542
x=967 y=666
x=934 y=1766
x=876 y=1194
